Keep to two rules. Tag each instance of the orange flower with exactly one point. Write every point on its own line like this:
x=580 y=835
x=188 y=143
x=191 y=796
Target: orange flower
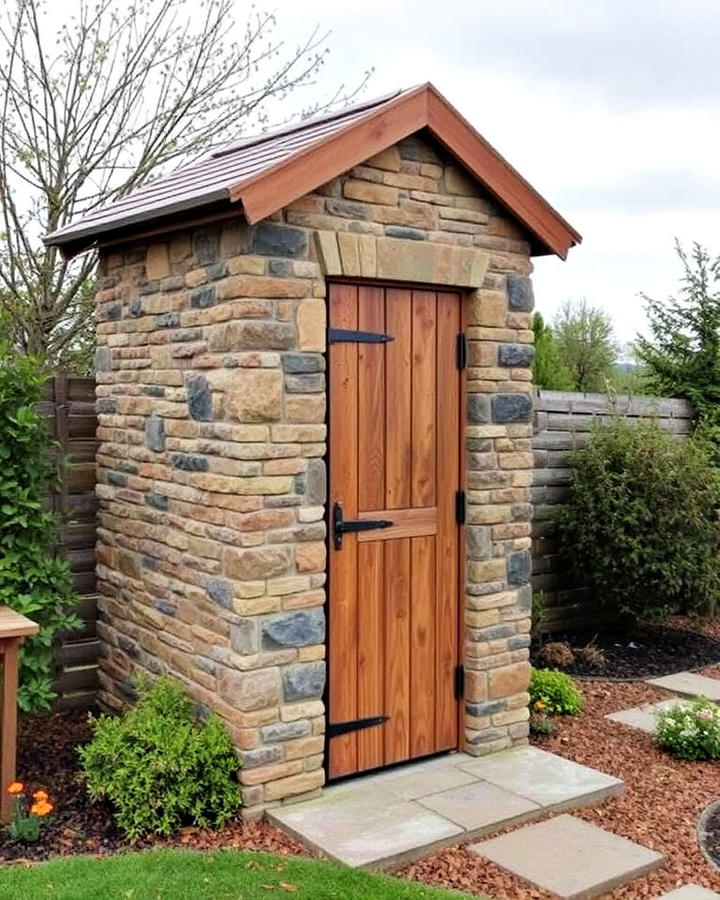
x=40 y=796
x=41 y=809
x=539 y=706
x=17 y=787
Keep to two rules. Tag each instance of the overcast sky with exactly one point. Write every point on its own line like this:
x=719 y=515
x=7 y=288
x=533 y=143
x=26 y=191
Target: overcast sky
x=610 y=108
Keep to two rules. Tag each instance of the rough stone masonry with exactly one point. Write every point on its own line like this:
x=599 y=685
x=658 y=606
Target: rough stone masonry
x=212 y=480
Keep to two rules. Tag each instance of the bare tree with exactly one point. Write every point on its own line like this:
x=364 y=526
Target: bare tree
x=92 y=109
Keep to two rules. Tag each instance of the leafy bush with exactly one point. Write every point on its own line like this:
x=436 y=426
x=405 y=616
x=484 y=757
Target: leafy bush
x=556 y=692
x=32 y=580
x=690 y=730
x=161 y=768
x=640 y=526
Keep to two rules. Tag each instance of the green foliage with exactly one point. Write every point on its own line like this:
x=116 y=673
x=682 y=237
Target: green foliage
x=556 y=691
x=690 y=730
x=161 y=768
x=584 y=338
x=33 y=581
x=549 y=372
x=682 y=355
x=639 y=526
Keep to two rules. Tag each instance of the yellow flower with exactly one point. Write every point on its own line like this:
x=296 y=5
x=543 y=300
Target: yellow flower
x=41 y=809
x=17 y=787
x=40 y=796
x=539 y=706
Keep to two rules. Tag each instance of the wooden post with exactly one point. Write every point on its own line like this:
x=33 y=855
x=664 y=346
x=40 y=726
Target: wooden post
x=13 y=630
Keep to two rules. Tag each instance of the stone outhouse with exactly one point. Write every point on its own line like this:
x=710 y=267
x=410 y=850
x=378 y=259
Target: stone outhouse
x=314 y=398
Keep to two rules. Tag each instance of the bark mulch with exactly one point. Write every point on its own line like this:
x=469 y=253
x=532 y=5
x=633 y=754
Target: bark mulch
x=660 y=807
x=47 y=759
x=645 y=651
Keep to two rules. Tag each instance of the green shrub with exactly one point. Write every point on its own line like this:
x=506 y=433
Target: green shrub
x=159 y=767
x=33 y=581
x=556 y=691
x=690 y=730
x=640 y=526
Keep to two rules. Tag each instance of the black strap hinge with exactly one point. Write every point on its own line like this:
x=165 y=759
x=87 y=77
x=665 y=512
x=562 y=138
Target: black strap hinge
x=459 y=682
x=348 y=336
x=461 y=352
x=336 y=728
x=460 y=510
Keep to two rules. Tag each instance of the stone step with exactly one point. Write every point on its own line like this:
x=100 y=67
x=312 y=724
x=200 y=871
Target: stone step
x=569 y=857
x=383 y=820
x=690 y=892
x=689 y=684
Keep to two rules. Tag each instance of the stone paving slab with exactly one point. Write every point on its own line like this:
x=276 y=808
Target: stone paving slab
x=643 y=717
x=569 y=857
x=689 y=684
x=690 y=892
x=479 y=807
x=551 y=781
x=386 y=819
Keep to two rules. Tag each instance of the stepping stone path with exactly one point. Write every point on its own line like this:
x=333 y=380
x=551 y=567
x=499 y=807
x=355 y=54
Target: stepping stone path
x=689 y=685
x=569 y=857
x=643 y=717
x=691 y=892
x=380 y=821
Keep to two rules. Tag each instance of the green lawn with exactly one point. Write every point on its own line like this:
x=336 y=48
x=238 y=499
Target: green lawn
x=214 y=875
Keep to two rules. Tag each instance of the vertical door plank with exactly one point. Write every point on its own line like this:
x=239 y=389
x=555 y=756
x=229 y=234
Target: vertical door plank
x=371 y=401
x=423 y=398
x=422 y=646
x=343 y=563
x=398 y=399
x=397 y=650
x=447 y=548
x=371 y=651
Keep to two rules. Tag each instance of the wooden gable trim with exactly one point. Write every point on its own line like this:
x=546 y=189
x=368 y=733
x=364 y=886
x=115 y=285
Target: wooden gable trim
x=384 y=126
x=291 y=179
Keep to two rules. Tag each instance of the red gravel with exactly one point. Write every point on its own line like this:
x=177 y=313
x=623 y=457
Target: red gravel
x=660 y=807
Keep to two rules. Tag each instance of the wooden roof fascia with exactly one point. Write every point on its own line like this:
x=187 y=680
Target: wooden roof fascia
x=291 y=179
x=455 y=133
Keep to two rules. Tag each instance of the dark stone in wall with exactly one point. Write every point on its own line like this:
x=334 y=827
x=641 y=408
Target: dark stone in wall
x=271 y=239
x=401 y=231
x=188 y=462
x=516 y=355
x=316 y=483
x=106 y=405
x=520 y=293
x=201 y=298
x=519 y=567
x=508 y=408
x=206 y=245
x=155 y=433
x=302 y=363
x=298 y=628
x=103 y=359
x=199 y=398
x=478 y=409
x=221 y=592
x=157 y=501
x=304 y=681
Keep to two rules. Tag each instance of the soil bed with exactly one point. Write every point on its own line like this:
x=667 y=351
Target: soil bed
x=647 y=651
x=47 y=759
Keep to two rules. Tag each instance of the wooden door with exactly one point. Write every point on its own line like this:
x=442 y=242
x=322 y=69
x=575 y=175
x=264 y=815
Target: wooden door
x=394 y=458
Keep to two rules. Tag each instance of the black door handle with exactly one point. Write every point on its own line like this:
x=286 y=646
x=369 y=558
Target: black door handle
x=342 y=526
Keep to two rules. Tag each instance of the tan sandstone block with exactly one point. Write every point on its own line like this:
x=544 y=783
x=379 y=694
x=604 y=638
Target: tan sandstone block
x=311 y=321
x=371 y=193
x=263 y=774
x=328 y=252
x=310 y=556
x=298 y=784
x=257 y=562
x=508 y=680
x=256 y=395
x=250 y=690
x=487 y=570
x=487 y=308
x=157 y=262
x=388 y=160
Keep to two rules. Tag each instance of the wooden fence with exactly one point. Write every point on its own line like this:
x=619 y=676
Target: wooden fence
x=564 y=421
x=70 y=410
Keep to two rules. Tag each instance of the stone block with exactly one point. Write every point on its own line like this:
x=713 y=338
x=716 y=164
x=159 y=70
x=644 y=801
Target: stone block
x=520 y=293
x=311 y=324
x=516 y=356
x=388 y=160
x=294 y=629
x=238 y=336
x=157 y=262
x=199 y=398
x=256 y=396
x=285 y=731
x=257 y=562
x=221 y=591
x=273 y=239
x=303 y=682
x=508 y=680
x=249 y=691
x=478 y=542
x=479 y=409
x=155 y=433
x=519 y=567
x=368 y=192
x=508 y=408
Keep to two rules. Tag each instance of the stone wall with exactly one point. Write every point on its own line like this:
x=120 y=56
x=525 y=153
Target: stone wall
x=211 y=401
x=564 y=421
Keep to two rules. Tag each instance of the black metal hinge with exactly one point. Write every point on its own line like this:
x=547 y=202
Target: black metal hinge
x=461 y=351
x=337 y=728
x=348 y=336
x=460 y=507
x=459 y=682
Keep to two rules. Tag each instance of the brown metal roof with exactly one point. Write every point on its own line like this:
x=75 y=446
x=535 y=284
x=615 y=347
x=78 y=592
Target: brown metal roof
x=266 y=172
